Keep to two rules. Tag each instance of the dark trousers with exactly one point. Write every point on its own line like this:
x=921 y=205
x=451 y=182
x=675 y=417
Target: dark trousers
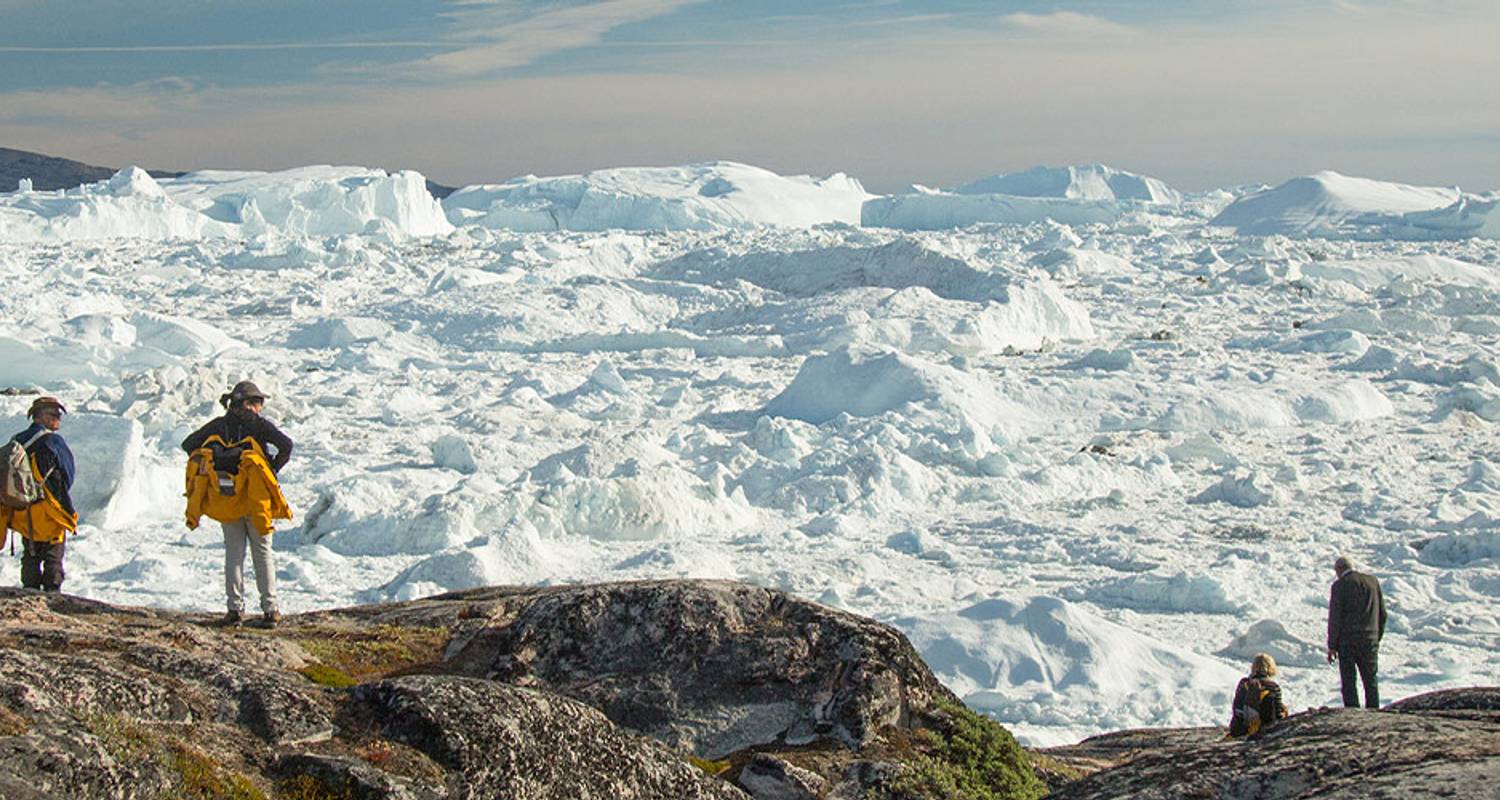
x=41 y=565
x=1364 y=658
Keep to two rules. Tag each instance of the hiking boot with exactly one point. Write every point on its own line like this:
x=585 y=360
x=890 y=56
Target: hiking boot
x=232 y=619
x=271 y=619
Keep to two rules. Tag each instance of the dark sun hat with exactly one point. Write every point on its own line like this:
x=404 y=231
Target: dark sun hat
x=242 y=391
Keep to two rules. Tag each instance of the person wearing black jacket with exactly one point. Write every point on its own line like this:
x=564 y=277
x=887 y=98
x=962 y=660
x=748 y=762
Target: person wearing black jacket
x=241 y=420
x=1356 y=624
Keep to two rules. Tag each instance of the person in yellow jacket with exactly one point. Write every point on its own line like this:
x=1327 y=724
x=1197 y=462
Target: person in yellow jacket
x=44 y=525
x=242 y=419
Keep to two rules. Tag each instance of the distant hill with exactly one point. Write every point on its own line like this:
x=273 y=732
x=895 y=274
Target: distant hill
x=49 y=172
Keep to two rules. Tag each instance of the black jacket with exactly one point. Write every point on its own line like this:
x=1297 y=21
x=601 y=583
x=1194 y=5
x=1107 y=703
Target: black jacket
x=1356 y=611
x=232 y=428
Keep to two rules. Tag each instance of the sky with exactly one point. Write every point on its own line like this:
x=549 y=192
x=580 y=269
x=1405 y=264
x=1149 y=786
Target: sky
x=1200 y=93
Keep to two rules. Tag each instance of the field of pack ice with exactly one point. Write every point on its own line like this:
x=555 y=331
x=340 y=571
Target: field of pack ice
x=1087 y=450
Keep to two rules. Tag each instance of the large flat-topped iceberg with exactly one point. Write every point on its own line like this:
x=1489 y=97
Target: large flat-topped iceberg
x=1334 y=206
x=1084 y=182
x=308 y=201
x=715 y=195
x=1078 y=195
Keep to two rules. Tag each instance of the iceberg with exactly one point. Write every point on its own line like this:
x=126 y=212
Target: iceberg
x=308 y=201
x=1077 y=195
x=1329 y=205
x=711 y=196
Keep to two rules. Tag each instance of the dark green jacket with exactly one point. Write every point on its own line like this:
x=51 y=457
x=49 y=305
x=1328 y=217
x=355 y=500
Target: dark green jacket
x=1356 y=611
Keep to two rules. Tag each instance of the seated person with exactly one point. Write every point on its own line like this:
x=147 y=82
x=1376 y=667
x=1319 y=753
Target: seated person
x=1257 y=699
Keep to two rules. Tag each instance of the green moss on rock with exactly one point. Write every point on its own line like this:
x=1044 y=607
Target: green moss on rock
x=375 y=652
x=324 y=675
x=966 y=756
x=191 y=773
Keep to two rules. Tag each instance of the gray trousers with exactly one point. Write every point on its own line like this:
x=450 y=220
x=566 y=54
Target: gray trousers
x=238 y=536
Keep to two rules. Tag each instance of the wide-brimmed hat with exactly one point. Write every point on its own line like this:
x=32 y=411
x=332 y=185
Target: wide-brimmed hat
x=242 y=391
x=46 y=403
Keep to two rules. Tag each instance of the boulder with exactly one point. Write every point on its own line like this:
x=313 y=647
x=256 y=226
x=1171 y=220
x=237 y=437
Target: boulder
x=709 y=666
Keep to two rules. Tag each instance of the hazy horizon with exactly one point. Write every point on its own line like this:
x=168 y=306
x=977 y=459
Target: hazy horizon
x=892 y=92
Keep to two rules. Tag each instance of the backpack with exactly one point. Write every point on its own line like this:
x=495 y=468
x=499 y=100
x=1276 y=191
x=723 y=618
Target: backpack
x=1257 y=710
x=19 y=487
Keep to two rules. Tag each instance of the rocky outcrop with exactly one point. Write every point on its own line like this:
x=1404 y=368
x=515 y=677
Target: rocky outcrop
x=1446 y=744
x=710 y=666
x=503 y=741
x=563 y=692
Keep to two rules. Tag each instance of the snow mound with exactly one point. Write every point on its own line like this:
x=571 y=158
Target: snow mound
x=630 y=489
x=1333 y=206
x=1271 y=637
x=1118 y=360
x=1247 y=489
x=1373 y=273
x=1084 y=182
x=1047 y=667
x=1176 y=593
x=710 y=196
x=1349 y=401
x=339 y=332
x=868 y=383
x=842 y=296
x=510 y=556
x=1461 y=549
x=899 y=264
x=1458 y=550
x=1335 y=340
x=308 y=201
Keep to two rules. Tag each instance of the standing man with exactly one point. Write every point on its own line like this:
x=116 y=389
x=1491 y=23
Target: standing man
x=45 y=524
x=1356 y=624
x=242 y=420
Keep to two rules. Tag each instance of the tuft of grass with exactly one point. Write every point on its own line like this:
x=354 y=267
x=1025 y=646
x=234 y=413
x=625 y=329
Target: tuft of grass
x=1054 y=771
x=193 y=774
x=306 y=787
x=710 y=766
x=12 y=724
x=966 y=756
x=199 y=777
x=324 y=675
x=125 y=739
x=374 y=652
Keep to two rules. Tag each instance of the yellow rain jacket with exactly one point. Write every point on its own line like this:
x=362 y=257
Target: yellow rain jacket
x=251 y=492
x=46 y=521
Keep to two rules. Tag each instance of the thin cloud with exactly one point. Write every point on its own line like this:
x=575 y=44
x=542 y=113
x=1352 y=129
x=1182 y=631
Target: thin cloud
x=225 y=47
x=1065 y=23
x=496 y=36
x=912 y=19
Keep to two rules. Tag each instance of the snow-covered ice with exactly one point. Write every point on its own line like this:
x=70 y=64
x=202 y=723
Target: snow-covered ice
x=1092 y=193
x=1090 y=456
x=1331 y=205
x=719 y=194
